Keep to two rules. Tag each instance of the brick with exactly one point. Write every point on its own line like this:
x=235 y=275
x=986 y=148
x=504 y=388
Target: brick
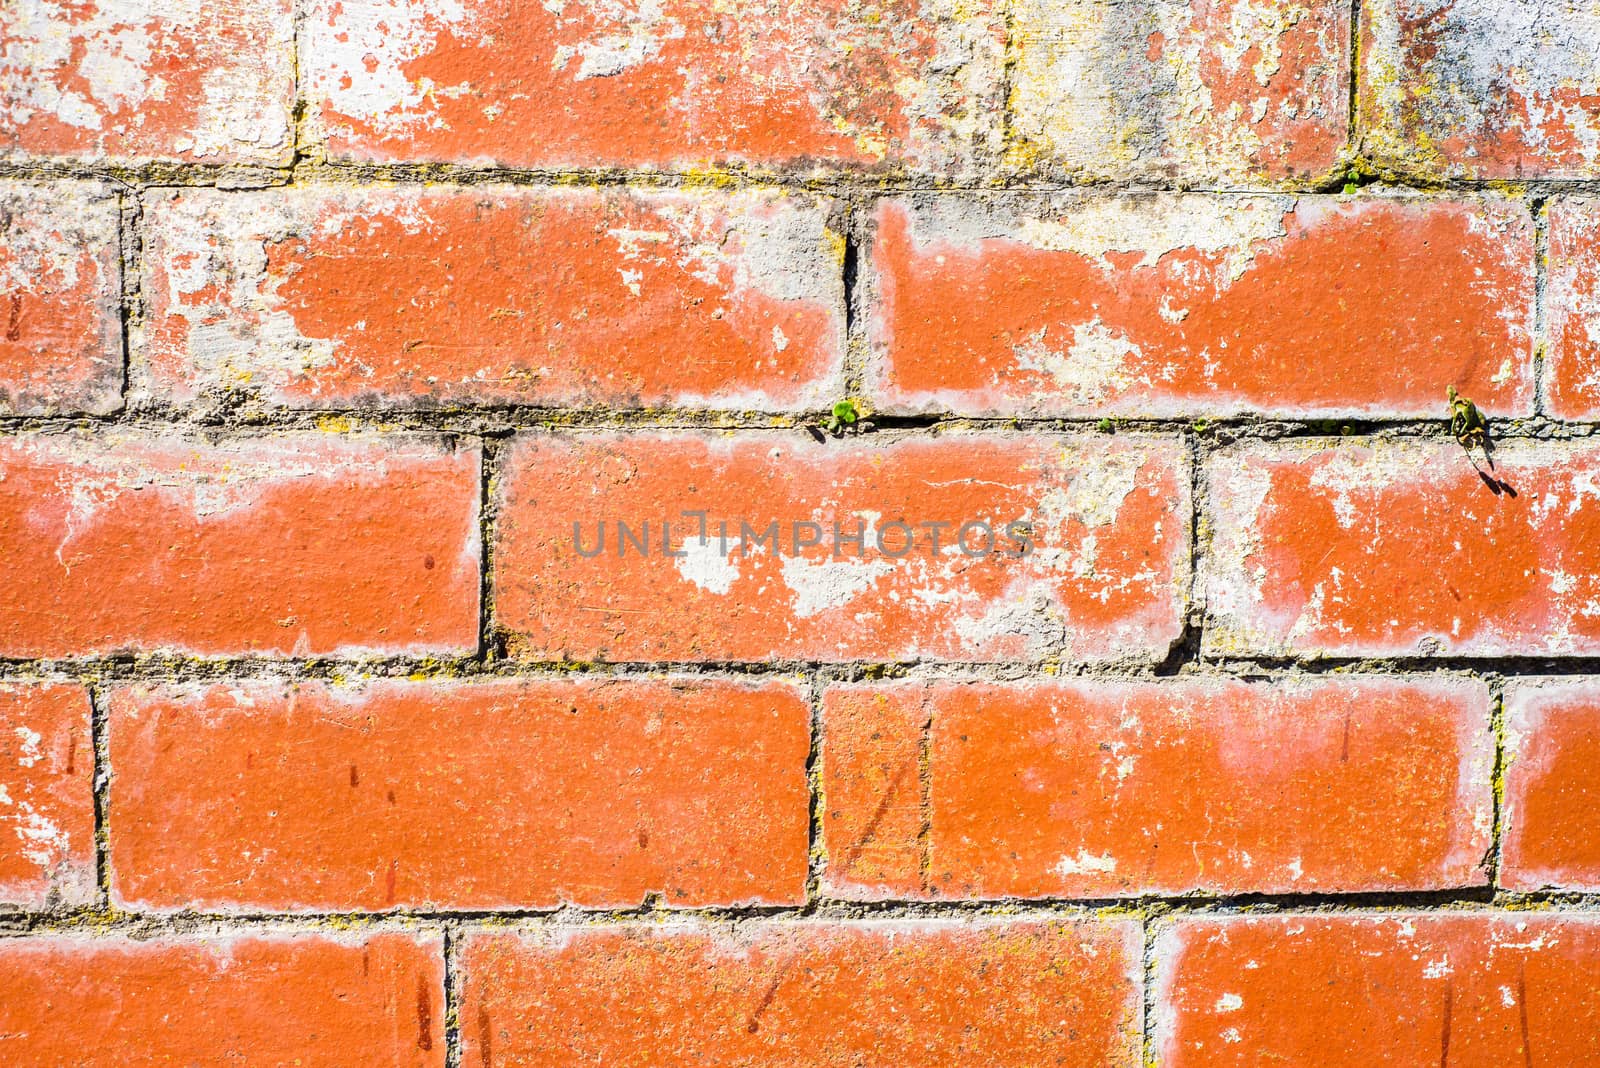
x=1180 y=90
x=46 y=799
x=1119 y=789
x=900 y=84
x=1572 y=302
x=816 y=993
x=1552 y=786
x=1105 y=577
x=260 y=998
x=1481 y=88
x=1399 y=548
x=338 y=297
x=60 y=267
x=129 y=81
x=1202 y=305
x=449 y=795
x=1467 y=990
x=299 y=544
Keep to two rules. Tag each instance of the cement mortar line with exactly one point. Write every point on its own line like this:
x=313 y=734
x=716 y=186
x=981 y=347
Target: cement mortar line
x=1472 y=901
x=354 y=671
x=504 y=421
x=149 y=176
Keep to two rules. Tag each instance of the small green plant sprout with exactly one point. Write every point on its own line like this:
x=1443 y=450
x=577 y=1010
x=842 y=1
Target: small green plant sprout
x=1467 y=424
x=843 y=416
x=1104 y=426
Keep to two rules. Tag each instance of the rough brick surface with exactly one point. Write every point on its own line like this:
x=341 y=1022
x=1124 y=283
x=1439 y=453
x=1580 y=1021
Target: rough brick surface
x=60 y=269
x=1552 y=786
x=46 y=808
x=259 y=998
x=338 y=297
x=1482 y=88
x=291 y=544
x=1178 y=305
x=1184 y=90
x=1465 y=990
x=898 y=83
x=825 y=994
x=132 y=80
x=1105 y=577
x=1390 y=548
x=515 y=794
x=1572 y=300
x=1105 y=789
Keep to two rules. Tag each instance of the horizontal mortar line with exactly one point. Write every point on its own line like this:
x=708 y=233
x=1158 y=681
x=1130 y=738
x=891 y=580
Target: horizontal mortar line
x=169 y=668
x=248 y=177
x=1472 y=901
x=490 y=421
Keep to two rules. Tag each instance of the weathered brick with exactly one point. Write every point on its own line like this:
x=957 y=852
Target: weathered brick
x=1463 y=990
x=499 y=794
x=1105 y=577
x=134 y=80
x=1481 y=88
x=1182 y=305
x=46 y=804
x=817 y=993
x=1111 y=789
x=1572 y=303
x=1186 y=90
x=338 y=296
x=292 y=544
x=1552 y=786
x=897 y=83
x=1401 y=548
x=60 y=268
x=261 y=998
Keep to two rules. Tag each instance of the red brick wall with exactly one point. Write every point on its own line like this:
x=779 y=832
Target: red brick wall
x=1265 y=730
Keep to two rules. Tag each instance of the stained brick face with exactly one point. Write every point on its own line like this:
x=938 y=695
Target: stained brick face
x=1110 y=789
x=272 y=997
x=459 y=796
x=61 y=347
x=802 y=532
x=1107 y=577
x=1088 y=305
x=482 y=296
x=824 y=993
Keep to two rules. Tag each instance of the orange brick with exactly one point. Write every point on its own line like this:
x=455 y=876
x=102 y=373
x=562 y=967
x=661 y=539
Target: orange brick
x=60 y=268
x=1186 y=90
x=1472 y=990
x=1113 y=789
x=1105 y=577
x=132 y=80
x=46 y=800
x=437 y=795
x=1399 y=548
x=1572 y=300
x=1552 y=786
x=816 y=993
x=259 y=998
x=875 y=813
x=438 y=295
x=293 y=544
x=1481 y=88
x=896 y=83
x=1202 y=305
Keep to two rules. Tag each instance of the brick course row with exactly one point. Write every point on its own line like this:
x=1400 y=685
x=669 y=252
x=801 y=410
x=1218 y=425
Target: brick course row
x=1081 y=305
x=1391 y=988
x=530 y=794
x=1161 y=90
x=303 y=543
